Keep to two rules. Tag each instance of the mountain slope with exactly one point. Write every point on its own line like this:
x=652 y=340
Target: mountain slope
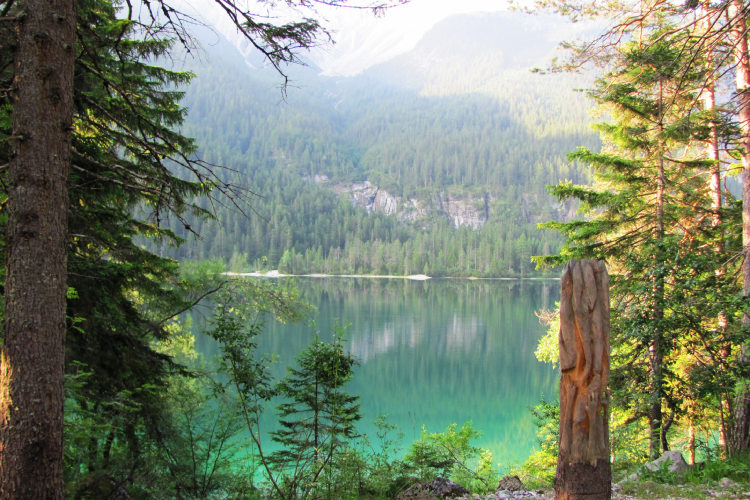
x=455 y=143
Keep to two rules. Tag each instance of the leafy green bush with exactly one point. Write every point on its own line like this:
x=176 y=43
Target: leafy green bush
x=539 y=469
x=735 y=468
x=450 y=454
x=384 y=471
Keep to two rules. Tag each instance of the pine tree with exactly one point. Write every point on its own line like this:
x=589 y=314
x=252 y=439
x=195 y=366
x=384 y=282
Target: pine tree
x=317 y=416
x=715 y=28
x=645 y=211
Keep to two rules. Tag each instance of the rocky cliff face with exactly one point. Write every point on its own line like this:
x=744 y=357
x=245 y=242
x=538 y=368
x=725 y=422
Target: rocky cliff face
x=370 y=197
x=471 y=212
x=462 y=211
x=467 y=211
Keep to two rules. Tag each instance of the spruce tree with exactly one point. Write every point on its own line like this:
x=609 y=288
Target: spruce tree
x=645 y=214
x=317 y=416
x=715 y=28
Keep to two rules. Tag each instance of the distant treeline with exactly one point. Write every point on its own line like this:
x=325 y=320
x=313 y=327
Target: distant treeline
x=509 y=146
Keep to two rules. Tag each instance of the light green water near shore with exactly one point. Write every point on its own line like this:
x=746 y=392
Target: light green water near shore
x=435 y=352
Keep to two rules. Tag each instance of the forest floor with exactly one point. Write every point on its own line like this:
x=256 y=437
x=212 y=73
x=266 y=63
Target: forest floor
x=646 y=490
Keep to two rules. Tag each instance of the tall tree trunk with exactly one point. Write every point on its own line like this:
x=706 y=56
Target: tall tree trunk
x=740 y=433
x=708 y=98
x=712 y=152
x=656 y=362
x=32 y=355
x=656 y=345
x=714 y=185
x=691 y=434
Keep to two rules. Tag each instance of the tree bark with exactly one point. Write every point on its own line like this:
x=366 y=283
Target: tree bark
x=740 y=432
x=32 y=355
x=708 y=97
x=583 y=467
x=656 y=345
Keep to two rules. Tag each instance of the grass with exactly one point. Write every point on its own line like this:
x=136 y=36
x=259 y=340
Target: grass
x=729 y=478
x=650 y=489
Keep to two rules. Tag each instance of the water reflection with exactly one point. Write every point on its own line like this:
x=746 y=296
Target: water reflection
x=436 y=352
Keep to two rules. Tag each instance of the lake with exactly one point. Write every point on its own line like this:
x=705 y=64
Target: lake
x=436 y=352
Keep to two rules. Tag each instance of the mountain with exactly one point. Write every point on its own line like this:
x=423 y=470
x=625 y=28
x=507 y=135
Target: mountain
x=434 y=161
x=474 y=48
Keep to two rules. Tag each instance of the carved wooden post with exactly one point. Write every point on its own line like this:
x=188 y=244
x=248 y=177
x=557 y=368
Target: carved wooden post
x=583 y=468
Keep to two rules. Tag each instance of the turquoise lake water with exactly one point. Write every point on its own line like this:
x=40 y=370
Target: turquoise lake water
x=435 y=352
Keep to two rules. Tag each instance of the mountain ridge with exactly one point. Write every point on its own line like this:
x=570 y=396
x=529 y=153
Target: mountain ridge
x=449 y=181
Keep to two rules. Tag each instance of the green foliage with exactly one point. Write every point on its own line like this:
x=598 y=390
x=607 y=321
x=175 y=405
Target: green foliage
x=538 y=471
x=117 y=443
x=547 y=420
x=649 y=215
x=662 y=474
x=703 y=480
x=491 y=151
x=628 y=440
x=367 y=467
x=199 y=430
x=548 y=348
x=450 y=454
x=736 y=468
x=317 y=418
x=539 y=468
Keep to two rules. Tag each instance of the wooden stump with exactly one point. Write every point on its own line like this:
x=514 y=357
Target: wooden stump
x=583 y=468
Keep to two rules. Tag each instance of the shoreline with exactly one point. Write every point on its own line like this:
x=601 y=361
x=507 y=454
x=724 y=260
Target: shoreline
x=274 y=273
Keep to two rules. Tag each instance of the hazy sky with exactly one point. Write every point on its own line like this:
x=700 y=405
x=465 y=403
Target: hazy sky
x=363 y=39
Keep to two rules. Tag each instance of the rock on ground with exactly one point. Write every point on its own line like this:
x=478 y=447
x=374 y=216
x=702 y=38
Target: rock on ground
x=437 y=488
x=677 y=464
x=511 y=483
x=676 y=461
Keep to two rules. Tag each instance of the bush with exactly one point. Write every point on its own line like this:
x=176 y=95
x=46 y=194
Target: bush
x=450 y=454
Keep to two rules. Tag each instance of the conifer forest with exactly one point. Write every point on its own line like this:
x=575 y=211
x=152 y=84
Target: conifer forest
x=242 y=261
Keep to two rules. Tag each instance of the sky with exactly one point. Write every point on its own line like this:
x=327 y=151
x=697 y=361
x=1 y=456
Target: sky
x=362 y=39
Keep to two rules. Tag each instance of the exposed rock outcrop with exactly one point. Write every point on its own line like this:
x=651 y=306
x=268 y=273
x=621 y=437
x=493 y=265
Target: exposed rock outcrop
x=369 y=196
x=467 y=211
x=374 y=199
x=461 y=211
x=674 y=459
x=411 y=210
x=435 y=489
x=510 y=483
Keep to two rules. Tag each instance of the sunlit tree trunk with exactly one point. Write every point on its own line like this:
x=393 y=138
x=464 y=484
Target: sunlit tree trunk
x=32 y=354
x=691 y=436
x=740 y=432
x=708 y=98
x=656 y=345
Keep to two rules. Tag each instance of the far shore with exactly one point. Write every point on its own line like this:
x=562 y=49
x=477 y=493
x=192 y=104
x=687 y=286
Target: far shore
x=274 y=273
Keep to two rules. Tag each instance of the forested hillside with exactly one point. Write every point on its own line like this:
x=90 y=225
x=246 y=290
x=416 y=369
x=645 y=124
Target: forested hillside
x=460 y=146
